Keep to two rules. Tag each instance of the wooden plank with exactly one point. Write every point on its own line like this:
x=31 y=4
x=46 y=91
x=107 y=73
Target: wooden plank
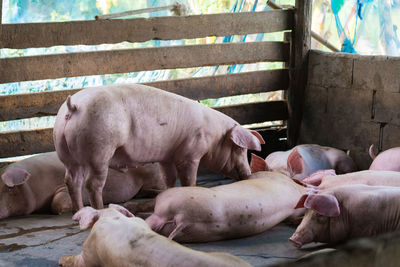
x=28 y=142
x=256 y=112
x=21 y=106
x=299 y=62
x=142 y=29
x=131 y=60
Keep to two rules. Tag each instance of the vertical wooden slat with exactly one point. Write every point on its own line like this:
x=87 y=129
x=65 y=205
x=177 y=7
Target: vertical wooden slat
x=301 y=42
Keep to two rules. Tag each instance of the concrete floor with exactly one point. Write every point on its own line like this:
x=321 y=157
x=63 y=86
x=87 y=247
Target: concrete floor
x=40 y=240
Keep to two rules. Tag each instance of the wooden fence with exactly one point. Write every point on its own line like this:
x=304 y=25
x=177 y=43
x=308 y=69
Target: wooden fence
x=29 y=68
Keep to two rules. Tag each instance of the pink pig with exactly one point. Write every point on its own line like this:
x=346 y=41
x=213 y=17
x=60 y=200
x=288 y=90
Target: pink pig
x=351 y=211
x=37 y=184
x=303 y=160
x=327 y=179
x=118 y=238
x=123 y=126
x=243 y=208
x=388 y=160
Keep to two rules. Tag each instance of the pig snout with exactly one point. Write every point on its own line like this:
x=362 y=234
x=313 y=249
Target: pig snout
x=295 y=242
x=299 y=238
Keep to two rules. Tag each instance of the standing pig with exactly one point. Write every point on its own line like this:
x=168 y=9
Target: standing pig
x=123 y=126
x=37 y=184
x=303 y=160
x=327 y=179
x=249 y=207
x=352 y=211
x=120 y=239
x=388 y=160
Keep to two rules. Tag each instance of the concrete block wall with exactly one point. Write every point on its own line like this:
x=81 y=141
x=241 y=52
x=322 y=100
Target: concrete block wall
x=351 y=102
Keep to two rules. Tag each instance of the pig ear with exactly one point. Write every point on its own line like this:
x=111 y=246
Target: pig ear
x=86 y=216
x=324 y=204
x=15 y=176
x=258 y=164
x=245 y=138
x=300 y=203
x=295 y=162
x=121 y=209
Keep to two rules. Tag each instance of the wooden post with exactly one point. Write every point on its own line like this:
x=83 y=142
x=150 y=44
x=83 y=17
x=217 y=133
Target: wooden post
x=301 y=42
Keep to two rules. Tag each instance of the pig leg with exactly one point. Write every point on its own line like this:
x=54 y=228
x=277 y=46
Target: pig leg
x=95 y=182
x=61 y=201
x=179 y=227
x=74 y=181
x=187 y=172
x=170 y=173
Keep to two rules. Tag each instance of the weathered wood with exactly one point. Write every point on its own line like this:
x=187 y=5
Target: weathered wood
x=299 y=62
x=256 y=112
x=28 y=142
x=142 y=29
x=131 y=60
x=22 y=106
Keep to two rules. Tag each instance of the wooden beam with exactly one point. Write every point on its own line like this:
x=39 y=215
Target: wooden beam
x=22 y=106
x=256 y=112
x=299 y=62
x=142 y=29
x=131 y=60
x=28 y=142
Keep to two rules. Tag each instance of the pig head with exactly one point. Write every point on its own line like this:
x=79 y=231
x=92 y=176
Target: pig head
x=15 y=196
x=352 y=211
x=303 y=160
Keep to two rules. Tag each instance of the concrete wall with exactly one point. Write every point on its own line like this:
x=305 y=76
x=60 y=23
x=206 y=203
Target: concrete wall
x=351 y=102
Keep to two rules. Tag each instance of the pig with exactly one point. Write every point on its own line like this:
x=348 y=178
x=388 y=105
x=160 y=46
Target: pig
x=123 y=126
x=118 y=238
x=302 y=160
x=327 y=179
x=352 y=211
x=37 y=184
x=239 y=209
x=388 y=160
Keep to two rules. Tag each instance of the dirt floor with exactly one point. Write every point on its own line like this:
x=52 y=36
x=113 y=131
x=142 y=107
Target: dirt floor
x=40 y=240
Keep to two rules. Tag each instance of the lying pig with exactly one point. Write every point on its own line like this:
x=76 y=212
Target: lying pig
x=120 y=239
x=37 y=184
x=327 y=179
x=388 y=160
x=244 y=208
x=303 y=160
x=351 y=211
x=123 y=126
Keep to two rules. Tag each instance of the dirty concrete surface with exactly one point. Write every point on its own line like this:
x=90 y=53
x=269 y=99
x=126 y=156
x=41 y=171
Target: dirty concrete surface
x=40 y=240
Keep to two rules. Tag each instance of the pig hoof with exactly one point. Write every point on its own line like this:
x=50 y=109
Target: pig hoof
x=296 y=243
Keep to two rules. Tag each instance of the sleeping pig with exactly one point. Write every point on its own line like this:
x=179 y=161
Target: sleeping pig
x=303 y=160
x=37 y=184
x=351 y=211
x=388 y=160
x=124 y=126
x=120 y=239
x=327 y=179
x=244 y=208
